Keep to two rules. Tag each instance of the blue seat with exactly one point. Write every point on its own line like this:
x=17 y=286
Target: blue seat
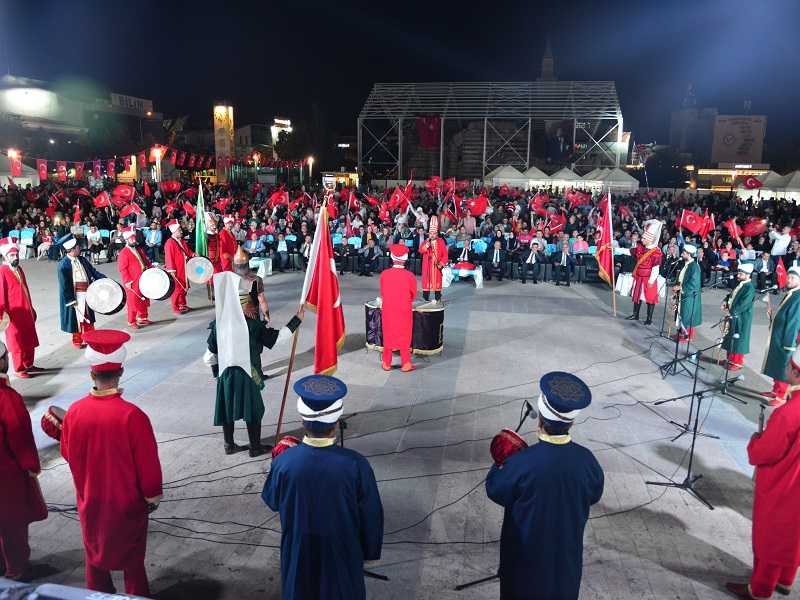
x=26 y=236
x=459 y=244
x=409 y=243
x=592 y=249
x=270 y=238
x=354 y=241
x=337 y=239
x=291 y=238
x=105 y=234
x=85 y=230
x=551 y=248
x=479 y=246
x=14 y=233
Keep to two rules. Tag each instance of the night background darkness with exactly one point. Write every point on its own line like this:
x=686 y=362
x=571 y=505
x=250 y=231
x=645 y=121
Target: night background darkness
x=271 y=58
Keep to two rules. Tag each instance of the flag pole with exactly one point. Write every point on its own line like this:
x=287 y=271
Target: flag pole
x=611 y=244
x=322 y=222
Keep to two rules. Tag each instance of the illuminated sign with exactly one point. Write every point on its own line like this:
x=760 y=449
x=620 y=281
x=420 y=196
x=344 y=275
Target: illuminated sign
x=132 y=103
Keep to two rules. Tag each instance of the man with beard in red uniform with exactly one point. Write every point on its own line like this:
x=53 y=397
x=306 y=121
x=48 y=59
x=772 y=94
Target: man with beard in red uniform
x=176 y=253
x=434 y=258
x=131 y=263
x=648 y=258
x=112 y=454
x=227 y=243
x=775 y=456
x=398 y=290
x=15 y=301
x=19 y=461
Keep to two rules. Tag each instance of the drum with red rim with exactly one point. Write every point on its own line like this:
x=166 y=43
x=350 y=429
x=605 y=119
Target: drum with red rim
x=52 y=421
x=156 y=284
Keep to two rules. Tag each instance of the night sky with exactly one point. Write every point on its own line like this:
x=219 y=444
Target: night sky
x=273 y=58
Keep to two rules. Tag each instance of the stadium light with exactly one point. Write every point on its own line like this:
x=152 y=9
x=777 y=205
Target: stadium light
x=12 y=153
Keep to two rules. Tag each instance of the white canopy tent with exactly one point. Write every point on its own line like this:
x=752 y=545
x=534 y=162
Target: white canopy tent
x=507 y=175
x=536 y=178
x=618 y=180
x=29 y=174
x=791 y=187
x=773 y=185
x=564 y=178
x=596 y=173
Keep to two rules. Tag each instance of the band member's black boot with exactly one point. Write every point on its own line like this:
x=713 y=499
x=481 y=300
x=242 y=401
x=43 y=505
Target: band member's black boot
x=254 y=434
x=231 y=447
x=635 y=315
x=650 y=309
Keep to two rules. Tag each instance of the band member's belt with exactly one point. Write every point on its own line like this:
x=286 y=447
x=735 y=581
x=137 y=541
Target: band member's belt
x=81 y=286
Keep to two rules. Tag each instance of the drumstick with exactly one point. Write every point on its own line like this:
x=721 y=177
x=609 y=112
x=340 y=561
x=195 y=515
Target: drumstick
x=177 y=280
x=129 y=285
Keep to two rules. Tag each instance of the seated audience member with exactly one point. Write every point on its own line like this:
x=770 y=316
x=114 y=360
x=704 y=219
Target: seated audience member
x=305 y=251
x=340 y=254
x=281 y=253
x=45 y=243
x=531 y=261
x=494 y=262
x=253 y=245
x=764 y=269
x=368 y=259
x=563 y=264
x=512 y=247
x=94 y=243
x=116 y=242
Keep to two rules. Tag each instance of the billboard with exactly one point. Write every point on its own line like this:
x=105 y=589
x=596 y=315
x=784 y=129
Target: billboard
x=223 y=138
x=738 y=138
x=141 y=105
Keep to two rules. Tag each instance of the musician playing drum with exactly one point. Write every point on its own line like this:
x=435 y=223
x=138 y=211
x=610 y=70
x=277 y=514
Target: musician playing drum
x=131 y=263
x=546 y=491
x=739 y=308
x=176 y=252
x=75 y=274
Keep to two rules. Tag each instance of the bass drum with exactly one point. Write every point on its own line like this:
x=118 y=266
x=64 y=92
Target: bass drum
x=105 y=296
x=374 y=326
x=156 y=284
x=199 y=270
x=428 y=333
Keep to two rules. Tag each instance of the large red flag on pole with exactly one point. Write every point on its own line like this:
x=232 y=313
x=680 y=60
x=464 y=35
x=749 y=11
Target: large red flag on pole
x=321 y=295
x=605 y=247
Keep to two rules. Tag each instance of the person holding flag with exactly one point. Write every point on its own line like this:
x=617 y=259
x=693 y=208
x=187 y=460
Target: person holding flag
x=645 y=273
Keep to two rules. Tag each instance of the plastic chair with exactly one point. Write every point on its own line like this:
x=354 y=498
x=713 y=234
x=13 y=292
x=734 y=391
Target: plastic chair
x=105 y=234
x=592 y=249
x=26 y=236
x=551 y=248
x=409 y=243
x=14 y=233
x=291 y=238
x=354 y=241
x=337 y=239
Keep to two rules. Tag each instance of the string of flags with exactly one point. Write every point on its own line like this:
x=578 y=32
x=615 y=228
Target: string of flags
x=181 y=159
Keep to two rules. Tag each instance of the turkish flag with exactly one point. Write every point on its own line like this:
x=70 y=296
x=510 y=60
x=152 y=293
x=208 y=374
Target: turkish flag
x=434 y=184
x=278 y=198
x=605 y=250
x=708 y=225
x=780 y=274
x=15 y=166
x=126 y=192
x=141 y=160
x=146 y=188
x=192 y=160
x=96 y=169
x=751 y=183
x=126 y=162
x=173 y=156
x=102 y=200
x=181 y=158
x=78 y=170
x=61 y=170
x=538 y=202
x=624 y=212
x=477 y=206
x=189 y=208
x=83 y=192
x=733 y=229
x=170 y=208
x=111 y=167
x=691 y=221
x=132 y=208
x=321 y=295
x=754 y=227
x=76 y=217
x=41 y=166
x=556 y=222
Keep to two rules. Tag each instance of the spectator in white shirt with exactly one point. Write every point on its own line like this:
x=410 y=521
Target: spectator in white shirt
x=780 y=242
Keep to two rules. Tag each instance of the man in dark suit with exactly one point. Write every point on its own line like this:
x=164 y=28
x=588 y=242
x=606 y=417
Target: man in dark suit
x=764 y=268
x=495 y=262
x=563 y=264
x=368 y=259
x=418 y=239
x=531 y=261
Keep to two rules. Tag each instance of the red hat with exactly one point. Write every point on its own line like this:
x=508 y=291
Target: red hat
x=8 y=245
x=129 y=232
x=173 y=225
x=106 y=351
x=399 y=253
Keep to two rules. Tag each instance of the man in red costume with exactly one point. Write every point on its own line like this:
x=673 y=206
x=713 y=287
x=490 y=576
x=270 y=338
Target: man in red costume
x=227 y=243
x=15 y=301
x=131 y=264
x=176 y=253
x=434 y=258
x=775 y=455
x=648 y=258
x=398 y=290
x=19 y=461
x=112 y=453
x=213 y=242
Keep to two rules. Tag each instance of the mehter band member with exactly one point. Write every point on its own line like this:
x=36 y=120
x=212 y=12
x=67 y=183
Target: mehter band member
x=648 y=258
x=75 y=274
x=398 y=290
x=331 y=512
x=547 y=490
x=176 y=253
x=739 y=306
x=434 y=258
x=784 y=328
x=690 y=313
x=15 y=301
x=131 y=263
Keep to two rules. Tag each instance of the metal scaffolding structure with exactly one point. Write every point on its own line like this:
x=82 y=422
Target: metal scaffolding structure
x=509 y=114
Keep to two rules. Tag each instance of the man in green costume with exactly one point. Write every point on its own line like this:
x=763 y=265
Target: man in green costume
x=688 y=288
x=784 y=327
x=739 y=306
x=237 y=365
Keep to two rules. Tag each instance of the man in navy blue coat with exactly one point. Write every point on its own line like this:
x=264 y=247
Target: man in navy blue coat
x=331 y=512
x=75 y=274
x=547 y=490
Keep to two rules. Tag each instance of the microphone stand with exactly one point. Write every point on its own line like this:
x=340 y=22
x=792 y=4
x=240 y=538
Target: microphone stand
x=463 y=586
x=725 y=379
x=671 y=367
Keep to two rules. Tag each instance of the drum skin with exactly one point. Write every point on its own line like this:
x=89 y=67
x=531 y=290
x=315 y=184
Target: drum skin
x=427 y=334
x=105 y=296
x=199 y=270
x=156 y=284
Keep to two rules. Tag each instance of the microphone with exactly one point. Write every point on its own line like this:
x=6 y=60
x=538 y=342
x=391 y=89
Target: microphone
x=529 y=410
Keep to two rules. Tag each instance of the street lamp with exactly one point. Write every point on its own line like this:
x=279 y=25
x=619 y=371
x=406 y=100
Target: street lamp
x=13 y=154
x=310 y=161
x=157 y=153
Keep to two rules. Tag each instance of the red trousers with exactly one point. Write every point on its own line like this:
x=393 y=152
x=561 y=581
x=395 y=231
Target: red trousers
x=405 y=356
x=766 y=577
x=736 y=359
x=136 y=584
x=22 y=359
x=137 y=308
x=779 y=388
x=15 y=549
x=77 y=339
x=178 y=299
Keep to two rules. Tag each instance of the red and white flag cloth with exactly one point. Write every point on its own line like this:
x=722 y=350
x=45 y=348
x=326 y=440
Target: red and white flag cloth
x=321 y=295
x=605 y=247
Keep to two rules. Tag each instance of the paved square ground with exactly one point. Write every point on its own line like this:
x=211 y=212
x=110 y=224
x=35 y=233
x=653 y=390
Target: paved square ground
x=427 y=435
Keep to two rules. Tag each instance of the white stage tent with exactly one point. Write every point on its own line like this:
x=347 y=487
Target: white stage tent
x=564 y=178
x=507 y=175
x=774 y=186
x=536 y=178
x=617 y=179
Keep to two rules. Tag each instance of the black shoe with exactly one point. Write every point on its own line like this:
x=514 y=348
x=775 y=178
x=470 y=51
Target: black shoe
x=234 y=448
x=535 y=282
x=259 y=450
x=635 y=315
x=649 y=319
